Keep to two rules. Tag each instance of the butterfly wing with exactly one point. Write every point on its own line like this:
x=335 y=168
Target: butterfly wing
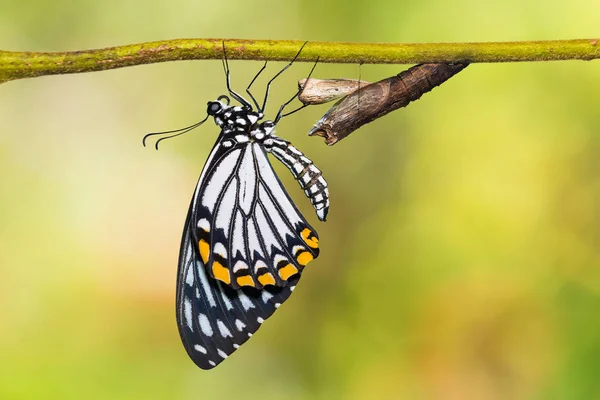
x=243 y=248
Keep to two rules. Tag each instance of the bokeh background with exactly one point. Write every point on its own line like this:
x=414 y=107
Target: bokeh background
x=460 y=260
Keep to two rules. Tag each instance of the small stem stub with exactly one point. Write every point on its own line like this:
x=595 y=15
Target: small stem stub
x=377 y=99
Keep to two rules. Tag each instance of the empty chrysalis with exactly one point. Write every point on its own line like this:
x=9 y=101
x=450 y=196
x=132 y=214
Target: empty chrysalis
x=375 y=100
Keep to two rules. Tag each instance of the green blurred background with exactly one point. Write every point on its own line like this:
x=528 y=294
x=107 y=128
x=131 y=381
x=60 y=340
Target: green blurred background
x=460 y=260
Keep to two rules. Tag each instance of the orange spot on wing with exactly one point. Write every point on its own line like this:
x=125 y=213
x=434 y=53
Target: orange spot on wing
x=304 y=258
x=204 y=250
x=312 y=242
x=221 y=273
x=246 y=281
x=287 y=271
x=267 y=279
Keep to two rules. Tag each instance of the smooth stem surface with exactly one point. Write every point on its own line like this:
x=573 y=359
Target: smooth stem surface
x=18 y=65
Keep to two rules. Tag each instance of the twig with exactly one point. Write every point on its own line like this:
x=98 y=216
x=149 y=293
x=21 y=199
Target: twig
x=18 y=65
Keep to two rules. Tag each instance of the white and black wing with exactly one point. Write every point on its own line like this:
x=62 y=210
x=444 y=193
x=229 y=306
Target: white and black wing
x=244 y=246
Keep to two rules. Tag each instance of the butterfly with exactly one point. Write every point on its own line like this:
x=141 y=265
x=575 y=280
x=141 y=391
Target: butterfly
x=245 y=243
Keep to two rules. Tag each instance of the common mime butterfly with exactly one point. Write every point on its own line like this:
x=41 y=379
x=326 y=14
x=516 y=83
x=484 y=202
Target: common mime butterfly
x=244 y=243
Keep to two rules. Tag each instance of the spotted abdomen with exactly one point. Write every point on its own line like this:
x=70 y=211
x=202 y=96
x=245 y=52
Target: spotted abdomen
x=304 y=171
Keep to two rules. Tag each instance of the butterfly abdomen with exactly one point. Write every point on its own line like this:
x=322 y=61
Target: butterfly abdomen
x=304 y=171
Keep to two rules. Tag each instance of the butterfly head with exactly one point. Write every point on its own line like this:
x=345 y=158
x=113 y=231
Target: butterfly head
x=233 y=118
x=218 y=108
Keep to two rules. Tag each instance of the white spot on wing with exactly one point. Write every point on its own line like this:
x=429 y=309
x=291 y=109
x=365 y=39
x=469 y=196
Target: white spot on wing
x=205 y=325
x=297 y=248
x=239 y=265
x=239 y=325
x=259 y=264
x=187 y=312
x=246 y=302
x=189 y=277
x=204 y=224
x=222 y=353
x=242 y=138
x=199 y=348
x=266 y=296
x=223 y=329
x=220 y=250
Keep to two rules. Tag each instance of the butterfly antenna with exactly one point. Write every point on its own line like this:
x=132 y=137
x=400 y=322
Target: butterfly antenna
x=177 y=132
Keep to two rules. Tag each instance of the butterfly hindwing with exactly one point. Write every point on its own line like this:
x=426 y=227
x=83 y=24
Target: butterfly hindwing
x=214 y=319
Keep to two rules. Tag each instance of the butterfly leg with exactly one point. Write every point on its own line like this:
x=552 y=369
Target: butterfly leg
x=233 y=94
x=262 y=110
x=252 y=82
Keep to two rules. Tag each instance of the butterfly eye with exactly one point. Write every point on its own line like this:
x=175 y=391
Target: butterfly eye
x=214 y=107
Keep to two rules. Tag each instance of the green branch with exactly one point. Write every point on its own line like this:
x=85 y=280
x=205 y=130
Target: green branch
x=18 y=65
